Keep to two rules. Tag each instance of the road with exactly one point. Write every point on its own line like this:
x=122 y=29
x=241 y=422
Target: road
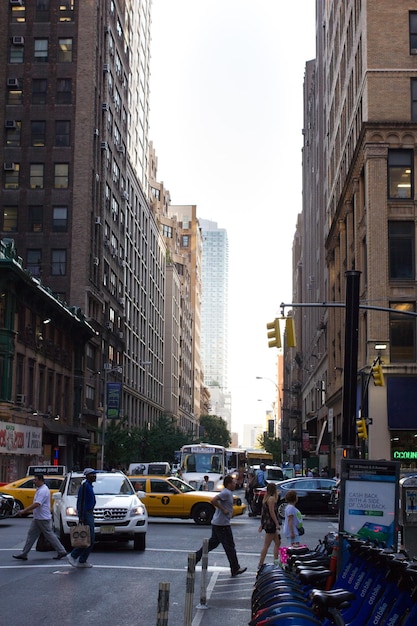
x=122 y=587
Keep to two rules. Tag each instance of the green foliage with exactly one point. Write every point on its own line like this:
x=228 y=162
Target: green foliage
x=158 y=443
x=272 y=445
x=215 y=430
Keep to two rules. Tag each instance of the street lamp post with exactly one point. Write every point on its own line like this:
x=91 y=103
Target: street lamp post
x=108 y=369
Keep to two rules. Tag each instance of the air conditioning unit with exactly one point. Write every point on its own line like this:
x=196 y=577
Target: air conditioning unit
x=104 y=145
x=121 y=301
x=105 y=106
x=96 y=132
x=109 y=325
x=121 y=149
x=107 y=242
x=18 y=41
x=106 y=67
x=97 y=220
x=16 y=2
x=121 y=263
x=20 y=398
x=125 y=195
x=121 y=334
x=96 y=260
x=13 y=82
x=10 y=124
x=8 y=166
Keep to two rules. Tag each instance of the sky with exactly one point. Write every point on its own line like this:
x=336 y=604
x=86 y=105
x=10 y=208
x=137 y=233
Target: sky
x=226 y=120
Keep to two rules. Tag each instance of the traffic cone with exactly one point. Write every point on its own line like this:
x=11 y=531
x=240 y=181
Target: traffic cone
x=332 y=568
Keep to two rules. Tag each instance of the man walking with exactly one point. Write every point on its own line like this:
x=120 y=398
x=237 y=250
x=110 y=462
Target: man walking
x=221 y=531
x=41 y=522
x=86 y=501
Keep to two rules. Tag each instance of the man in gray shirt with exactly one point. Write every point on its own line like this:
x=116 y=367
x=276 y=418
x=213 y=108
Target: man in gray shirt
x=221 y=532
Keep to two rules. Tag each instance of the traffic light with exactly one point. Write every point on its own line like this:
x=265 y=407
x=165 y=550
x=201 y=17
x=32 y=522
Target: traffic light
x=378 y=375
x=362 y=430
x=290 y=332
x=274 y=335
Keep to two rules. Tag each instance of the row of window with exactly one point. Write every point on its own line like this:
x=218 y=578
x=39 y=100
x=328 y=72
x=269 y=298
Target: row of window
x=40 y=53
x=38 y=133
x=61 y=95
x=37 y=178
x=36 y=217
x=42 y=11
x=58 y=261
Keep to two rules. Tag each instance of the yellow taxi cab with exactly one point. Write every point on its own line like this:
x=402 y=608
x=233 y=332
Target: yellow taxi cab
x=169 y=496
x=23 y=490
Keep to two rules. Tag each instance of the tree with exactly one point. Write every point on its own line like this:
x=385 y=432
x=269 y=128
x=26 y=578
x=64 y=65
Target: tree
x=272 y=445
x=215 y=430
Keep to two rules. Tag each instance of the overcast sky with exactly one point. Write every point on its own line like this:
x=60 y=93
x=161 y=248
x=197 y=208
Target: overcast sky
x=226 y=120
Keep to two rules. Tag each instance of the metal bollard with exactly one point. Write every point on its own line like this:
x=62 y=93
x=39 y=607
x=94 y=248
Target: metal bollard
x=203 y=586
x=163 y=605
x=189 y=590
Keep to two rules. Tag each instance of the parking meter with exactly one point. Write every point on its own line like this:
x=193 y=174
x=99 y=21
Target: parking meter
x=408 y=513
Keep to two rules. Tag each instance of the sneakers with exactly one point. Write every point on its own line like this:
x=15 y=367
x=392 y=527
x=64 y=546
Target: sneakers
x=72 y=561
x=241 y=570
x=85 y=564
x=58 y=557
x=21 y=557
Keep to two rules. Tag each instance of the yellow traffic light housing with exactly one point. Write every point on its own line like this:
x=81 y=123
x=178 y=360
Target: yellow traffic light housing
x=378 y=375
x=290 y=332
x=361 y=427
x=274 y=336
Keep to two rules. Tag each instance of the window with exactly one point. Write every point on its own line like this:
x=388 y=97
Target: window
x=402 y=333
x=34 y=261
x=59 y=219
x=18 y=14
x=414 y=99
x=185 y=241
x=15 y=95
x=11 y=176
x=42 y=11
x=36 y=219
x=9 y=219
x=62 y=133
x=63 y=91
x=36 y=175
x=66 y=9
x=65 y=50
x=58 y=262
x=61 y=175
x=413 y=32
x=41 y=51
x=401 y=245
x=37 y=133
x=167 y=231
x=12 y=134
x=16 y=54
x=39 y=87
x=400 y=173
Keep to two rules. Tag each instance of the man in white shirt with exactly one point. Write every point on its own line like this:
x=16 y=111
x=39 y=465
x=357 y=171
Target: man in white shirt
x=41 y=522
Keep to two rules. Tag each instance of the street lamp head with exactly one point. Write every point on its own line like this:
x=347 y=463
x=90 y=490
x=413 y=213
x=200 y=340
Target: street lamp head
x=381 y=346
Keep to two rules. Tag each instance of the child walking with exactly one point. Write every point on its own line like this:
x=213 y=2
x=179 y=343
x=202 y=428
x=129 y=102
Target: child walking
x=270 y=523
x=293 y=519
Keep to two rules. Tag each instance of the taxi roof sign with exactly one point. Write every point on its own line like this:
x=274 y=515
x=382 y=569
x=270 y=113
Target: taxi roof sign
x=46 y=470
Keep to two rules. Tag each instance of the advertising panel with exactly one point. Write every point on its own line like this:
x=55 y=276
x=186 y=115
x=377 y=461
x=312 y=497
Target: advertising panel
x=20 y=439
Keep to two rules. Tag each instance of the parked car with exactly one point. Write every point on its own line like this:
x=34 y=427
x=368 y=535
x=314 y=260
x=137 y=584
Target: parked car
x=23 y=490
x=313 y=494
x=119 y=514
x=168 y=496
x=7 y=506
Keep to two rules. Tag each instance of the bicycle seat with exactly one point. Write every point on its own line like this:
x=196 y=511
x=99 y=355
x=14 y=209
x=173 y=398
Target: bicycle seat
x=337 y=598
x=313 y=577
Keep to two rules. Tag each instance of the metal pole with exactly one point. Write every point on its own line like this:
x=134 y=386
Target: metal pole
x=203 y=586
x=103 y=425
x=163 y=605
x=189 y=590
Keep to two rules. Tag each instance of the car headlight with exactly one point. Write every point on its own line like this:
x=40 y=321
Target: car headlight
x=138 y=510
x=71 y=512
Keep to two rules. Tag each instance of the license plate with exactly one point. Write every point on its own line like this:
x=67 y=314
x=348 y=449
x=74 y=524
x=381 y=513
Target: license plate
x=107 y=530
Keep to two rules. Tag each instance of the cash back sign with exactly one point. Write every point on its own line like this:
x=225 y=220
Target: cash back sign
x=370 y=500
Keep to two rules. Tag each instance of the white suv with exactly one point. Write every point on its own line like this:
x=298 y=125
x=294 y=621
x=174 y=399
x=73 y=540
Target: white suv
x=119 y=515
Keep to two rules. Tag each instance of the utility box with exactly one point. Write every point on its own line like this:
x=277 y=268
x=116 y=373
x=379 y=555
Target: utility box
x=408 y=513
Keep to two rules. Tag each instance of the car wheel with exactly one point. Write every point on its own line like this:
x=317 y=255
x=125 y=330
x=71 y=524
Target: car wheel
x=139 y=542
x=18 y=506
x=281 y=509
x=64 y=539
x=202 y=514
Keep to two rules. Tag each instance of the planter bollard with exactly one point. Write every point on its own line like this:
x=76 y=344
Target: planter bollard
x=189 y=590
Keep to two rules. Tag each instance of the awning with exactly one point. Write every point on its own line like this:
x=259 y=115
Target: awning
x=56 y=428
x=319 y=440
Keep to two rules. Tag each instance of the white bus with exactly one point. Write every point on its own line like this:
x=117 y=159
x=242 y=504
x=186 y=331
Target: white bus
x=236 y=462
x=203 y=459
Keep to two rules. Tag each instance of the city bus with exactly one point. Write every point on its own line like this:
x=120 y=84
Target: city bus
x=236 y=463
x=203 y=459
x=256 y=457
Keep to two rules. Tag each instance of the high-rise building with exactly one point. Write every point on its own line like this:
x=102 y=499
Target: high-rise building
x=74 y=108
x=359 y=214
x=214 y=317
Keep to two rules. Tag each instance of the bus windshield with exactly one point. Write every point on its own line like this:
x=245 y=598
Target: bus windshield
x=203 y=462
